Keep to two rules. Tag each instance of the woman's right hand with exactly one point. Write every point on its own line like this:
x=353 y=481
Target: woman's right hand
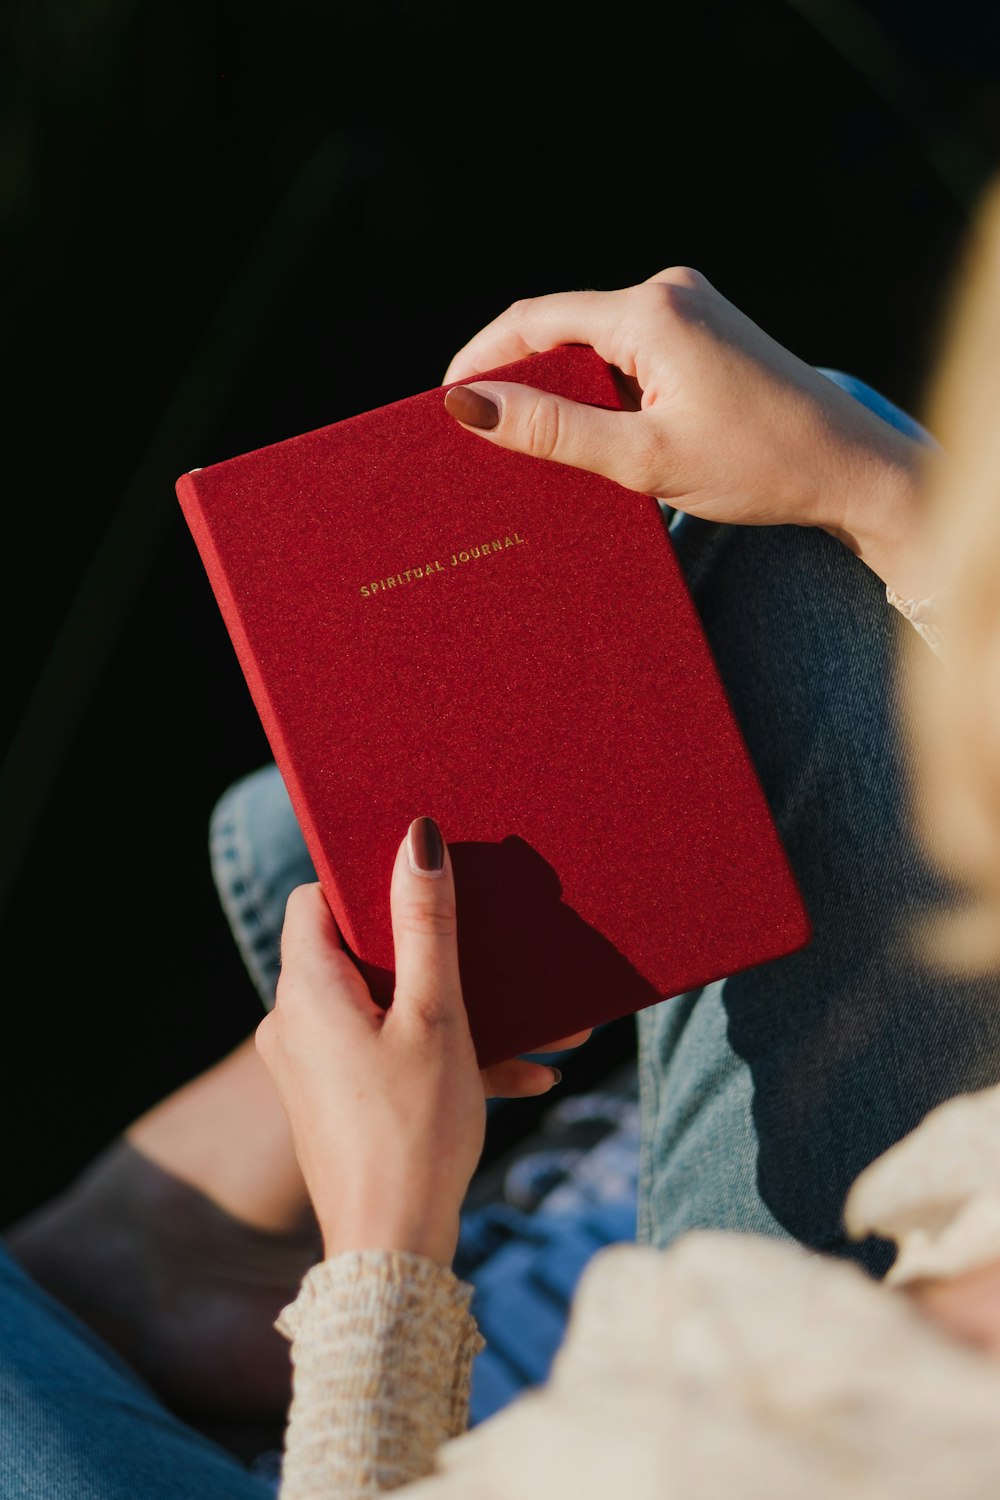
x=725 y=423
x=387 y=1107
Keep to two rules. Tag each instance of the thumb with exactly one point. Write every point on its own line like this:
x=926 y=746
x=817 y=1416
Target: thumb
x=620 y=445
x=424 y=929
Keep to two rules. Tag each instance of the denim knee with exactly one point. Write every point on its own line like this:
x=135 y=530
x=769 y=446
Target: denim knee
x=258 y=856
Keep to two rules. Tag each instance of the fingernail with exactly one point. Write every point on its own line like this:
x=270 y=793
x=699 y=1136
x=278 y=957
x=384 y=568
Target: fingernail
x=556 y=1077
x=471 y=407
x=425 y=847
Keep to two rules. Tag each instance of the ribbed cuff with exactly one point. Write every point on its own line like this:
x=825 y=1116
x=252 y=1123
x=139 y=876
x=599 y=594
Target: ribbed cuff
x=382 y=1346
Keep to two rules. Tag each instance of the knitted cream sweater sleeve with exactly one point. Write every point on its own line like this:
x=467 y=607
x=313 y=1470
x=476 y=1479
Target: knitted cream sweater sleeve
x=382 y=1350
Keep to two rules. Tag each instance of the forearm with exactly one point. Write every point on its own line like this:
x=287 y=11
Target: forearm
x=383 y=1345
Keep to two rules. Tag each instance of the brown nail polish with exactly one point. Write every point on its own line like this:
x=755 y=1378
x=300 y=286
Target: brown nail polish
x=471 y=407
x=426 y=846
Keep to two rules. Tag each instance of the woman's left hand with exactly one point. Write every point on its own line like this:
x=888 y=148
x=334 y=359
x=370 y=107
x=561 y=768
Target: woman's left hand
x=726 y=423
x=387 y=1107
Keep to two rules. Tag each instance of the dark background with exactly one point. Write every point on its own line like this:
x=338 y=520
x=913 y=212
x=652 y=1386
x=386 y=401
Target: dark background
x=227 y=223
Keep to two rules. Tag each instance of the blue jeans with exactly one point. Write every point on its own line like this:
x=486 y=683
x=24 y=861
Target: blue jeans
x=77 y=1424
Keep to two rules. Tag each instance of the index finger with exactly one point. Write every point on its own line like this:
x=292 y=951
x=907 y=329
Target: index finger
x=540 y=323
x=315 y=969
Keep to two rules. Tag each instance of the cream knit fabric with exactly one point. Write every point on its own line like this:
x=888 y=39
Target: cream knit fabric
x=728 y=1367
x=382 y=1350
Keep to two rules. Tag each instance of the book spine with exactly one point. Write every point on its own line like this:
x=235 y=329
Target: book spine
x=201 y=531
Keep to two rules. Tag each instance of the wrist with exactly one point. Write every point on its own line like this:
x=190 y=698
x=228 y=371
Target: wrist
x=880 y=517
x=436 y=1243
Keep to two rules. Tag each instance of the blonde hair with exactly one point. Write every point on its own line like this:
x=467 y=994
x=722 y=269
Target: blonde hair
x=953 y=707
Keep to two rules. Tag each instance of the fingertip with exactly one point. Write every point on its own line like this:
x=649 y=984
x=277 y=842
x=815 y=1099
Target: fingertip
x=302 y=895
x=307 y=911
x=425 y=847
x=473 y=407
x=566 y=1043
x=520 y=1079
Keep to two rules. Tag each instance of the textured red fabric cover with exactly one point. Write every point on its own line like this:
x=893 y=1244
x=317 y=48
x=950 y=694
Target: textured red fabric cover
x=551 y=701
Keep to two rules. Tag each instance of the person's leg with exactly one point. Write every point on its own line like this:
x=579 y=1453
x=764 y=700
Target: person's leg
x=226 y=1134
x=77 y=1424
x=765 y=1095
x=182 y=1242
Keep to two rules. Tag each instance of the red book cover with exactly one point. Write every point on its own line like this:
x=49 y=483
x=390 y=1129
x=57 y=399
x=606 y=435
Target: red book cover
x=430 y=624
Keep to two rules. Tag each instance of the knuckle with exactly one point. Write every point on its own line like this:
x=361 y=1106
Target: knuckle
x=542 y=427
x=685 y=276
x=671 y=296
x=436 y=919
x=645 y=464
x=430 y=1016
x=264 y=1038
x=517 y=312
x=667 y=302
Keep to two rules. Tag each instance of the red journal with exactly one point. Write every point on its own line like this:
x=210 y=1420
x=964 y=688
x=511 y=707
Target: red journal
x=430 y=624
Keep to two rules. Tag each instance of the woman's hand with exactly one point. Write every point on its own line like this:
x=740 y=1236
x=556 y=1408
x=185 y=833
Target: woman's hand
x=387 y=1107
x=725 y=423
